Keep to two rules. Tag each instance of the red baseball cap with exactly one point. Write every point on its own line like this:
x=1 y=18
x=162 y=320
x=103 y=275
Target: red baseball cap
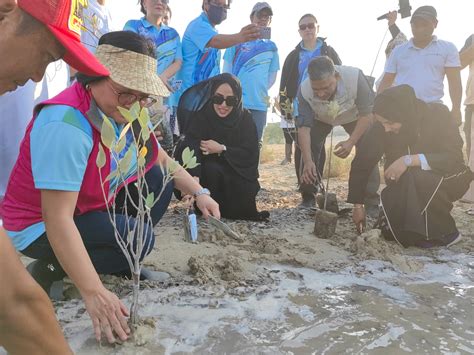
x=64 y=19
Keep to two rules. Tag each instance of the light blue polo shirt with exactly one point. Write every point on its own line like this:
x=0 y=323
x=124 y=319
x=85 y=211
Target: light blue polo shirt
x=60 y=145
x=253 y=62
x=306 y=56
x=423 y=68
x=167 y=42
x=199 y=62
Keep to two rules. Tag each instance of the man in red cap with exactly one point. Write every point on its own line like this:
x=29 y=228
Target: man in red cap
x=34 y=34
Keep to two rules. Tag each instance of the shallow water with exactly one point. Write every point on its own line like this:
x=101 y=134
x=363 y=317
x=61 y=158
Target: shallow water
x=370 y=308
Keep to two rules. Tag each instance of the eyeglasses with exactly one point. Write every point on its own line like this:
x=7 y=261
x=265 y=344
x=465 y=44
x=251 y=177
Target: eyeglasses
x=164 y=2
x=230 y=101
x=264 y=16
x=310 y=26
x=127 y=98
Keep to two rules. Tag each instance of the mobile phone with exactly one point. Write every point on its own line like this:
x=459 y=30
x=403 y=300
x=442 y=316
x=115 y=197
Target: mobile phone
x=176 y=85
x=265 y=32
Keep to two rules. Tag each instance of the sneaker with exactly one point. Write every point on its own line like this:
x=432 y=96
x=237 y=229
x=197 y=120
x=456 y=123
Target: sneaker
x=45 y=274
x=151 y=275
x=285 y=162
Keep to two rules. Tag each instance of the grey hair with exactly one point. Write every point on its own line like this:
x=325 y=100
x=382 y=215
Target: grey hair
x=320 y=68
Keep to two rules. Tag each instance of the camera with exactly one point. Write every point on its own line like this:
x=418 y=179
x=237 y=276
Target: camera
x=404 y=9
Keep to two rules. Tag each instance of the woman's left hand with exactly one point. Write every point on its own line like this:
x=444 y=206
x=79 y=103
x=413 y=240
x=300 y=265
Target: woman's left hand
x=208 y=206
x=395 y=170
x=211 y=147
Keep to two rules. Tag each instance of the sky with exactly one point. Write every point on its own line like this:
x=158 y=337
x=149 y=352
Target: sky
x=350 y=26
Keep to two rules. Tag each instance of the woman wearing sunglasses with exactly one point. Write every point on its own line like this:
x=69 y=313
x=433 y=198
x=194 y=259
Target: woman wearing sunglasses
x=54 y=207
x=223 y=136
x=294 y=72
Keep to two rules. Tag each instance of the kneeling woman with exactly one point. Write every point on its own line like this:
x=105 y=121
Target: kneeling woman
x=224 y=139
x=425 y=171
x=54 y=209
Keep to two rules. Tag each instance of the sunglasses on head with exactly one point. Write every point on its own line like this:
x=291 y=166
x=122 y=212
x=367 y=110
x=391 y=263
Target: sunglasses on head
x=307 y=25
x=230 y=101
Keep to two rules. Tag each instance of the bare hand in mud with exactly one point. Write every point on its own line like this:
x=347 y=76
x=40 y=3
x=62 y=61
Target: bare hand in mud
x=208 y=206
x=309 y=173
x=249 y=33
x=343 y=149
x=358 y=217
x=395 y=170
x=108 y=314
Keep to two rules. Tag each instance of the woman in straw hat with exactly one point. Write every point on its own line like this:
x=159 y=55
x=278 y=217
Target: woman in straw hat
x=54 y=212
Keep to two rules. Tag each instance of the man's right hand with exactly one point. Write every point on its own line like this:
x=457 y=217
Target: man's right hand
x=392 y=17
x=309 y=173
x=249 y=33
x=108 y=314
x=358 y=217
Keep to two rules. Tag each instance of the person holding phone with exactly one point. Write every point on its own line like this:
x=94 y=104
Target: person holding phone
x=202 y=43
x=256 y=64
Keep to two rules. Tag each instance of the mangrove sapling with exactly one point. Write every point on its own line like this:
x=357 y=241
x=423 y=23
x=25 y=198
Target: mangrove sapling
x=127 y=149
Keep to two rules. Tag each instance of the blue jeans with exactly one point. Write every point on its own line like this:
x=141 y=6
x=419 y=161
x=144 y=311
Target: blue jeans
x=260 y=119
x=97 y=232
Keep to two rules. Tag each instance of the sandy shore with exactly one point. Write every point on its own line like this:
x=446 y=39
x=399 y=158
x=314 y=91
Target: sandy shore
x=282 y=290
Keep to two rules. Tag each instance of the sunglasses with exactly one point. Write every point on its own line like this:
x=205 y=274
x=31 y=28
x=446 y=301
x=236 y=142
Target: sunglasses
x=309 y=26
x=230 y=101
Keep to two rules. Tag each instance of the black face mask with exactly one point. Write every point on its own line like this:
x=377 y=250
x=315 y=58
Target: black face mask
x=216 y=14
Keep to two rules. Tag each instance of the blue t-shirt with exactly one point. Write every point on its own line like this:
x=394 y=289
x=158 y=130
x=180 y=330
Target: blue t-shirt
x=60 y=145
x=199 y=62
x=168 y=46
x=305 y=57
x=252 y=62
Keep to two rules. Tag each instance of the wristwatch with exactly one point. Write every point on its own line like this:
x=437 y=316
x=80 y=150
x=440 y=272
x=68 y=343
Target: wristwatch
x=407 y=160
x=202 y=191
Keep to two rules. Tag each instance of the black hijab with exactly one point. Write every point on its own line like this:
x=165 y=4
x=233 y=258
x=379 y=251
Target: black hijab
x=198 y=99
x=399 y=104
x=199 y=121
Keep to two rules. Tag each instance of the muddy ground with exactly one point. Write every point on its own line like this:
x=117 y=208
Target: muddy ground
x=282 y=290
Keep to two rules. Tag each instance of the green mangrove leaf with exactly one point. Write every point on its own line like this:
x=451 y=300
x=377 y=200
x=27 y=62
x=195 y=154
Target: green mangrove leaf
x=124 y=163
x=126 y=114
x=101 y=159
x=107 y=133
x=150 y=200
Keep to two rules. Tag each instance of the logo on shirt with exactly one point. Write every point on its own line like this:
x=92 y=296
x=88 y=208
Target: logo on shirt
x=75 y=23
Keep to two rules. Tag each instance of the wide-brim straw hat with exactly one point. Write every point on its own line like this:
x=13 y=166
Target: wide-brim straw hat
x=132 y=70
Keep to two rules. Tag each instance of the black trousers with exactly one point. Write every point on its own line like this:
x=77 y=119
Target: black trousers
x=319 y=133
x=98 y=233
